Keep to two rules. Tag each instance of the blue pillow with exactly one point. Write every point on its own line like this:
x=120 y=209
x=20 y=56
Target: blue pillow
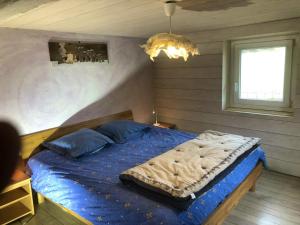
x=122 y=130
x=79 y=143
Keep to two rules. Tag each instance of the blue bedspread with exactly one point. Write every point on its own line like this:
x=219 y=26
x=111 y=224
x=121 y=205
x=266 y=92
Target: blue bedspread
x=90 y=186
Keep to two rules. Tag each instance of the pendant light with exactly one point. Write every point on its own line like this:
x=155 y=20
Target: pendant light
x=173 y=45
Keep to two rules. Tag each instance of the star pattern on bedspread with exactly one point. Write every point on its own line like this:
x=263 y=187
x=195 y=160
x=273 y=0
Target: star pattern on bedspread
x=99 y=218
x=149 y=215
x=96 y=193
x=127 y=205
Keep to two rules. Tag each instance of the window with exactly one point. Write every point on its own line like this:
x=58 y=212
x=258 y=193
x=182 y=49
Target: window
x=258 y=75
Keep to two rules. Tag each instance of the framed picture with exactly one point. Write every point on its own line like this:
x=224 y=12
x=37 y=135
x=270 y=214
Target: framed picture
x=73 y=52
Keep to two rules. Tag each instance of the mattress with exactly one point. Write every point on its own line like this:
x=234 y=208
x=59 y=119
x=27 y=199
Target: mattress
x=90 y=186
x=186 y=169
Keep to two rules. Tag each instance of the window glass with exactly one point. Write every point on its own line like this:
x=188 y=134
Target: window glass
x=262 y=72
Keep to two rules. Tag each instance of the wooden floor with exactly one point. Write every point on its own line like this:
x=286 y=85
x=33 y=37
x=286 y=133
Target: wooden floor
x=49 y=214
x=275 y=202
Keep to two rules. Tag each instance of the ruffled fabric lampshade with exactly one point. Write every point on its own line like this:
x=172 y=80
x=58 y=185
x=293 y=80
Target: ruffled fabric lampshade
x=173 y=45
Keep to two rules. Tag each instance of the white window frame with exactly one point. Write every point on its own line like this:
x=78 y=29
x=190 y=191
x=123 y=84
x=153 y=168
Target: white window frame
x=232 y=70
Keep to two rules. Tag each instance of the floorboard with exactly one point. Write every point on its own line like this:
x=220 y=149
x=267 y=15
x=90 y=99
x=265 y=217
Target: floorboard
x=275 y=202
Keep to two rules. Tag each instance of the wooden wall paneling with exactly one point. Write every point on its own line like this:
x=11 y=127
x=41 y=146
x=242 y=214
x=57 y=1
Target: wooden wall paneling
x=284 y=166
x=274 y=126
x=270 y=138
x=196 y=61
x=193 y=84
x=190 y=72
x=205 y=95
x=186 y=104
x=193 y=101
x=285 y=143
x=205 y=105
x=289 y=155
x=298 y=85
x=297 y=102
x=206 y=47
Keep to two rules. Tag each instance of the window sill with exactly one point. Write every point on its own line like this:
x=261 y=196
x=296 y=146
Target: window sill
x=260 y=112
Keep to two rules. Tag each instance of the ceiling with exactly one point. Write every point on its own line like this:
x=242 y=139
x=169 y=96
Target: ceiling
x=140 y=18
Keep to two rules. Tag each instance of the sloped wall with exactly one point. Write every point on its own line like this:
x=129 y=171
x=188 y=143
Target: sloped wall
x=36 y=94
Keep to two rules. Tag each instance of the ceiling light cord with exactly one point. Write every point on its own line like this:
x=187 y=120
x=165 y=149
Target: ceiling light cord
x=170 y=8
x=170 y=20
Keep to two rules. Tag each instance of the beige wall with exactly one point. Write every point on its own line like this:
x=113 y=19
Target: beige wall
x=36 y=94
x=190 y=95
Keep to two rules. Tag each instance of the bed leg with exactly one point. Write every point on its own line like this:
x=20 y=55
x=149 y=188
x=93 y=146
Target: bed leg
x=41 y=198
x=253 y=188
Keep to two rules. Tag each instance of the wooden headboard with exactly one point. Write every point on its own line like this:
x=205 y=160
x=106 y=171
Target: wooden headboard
x=31 y=142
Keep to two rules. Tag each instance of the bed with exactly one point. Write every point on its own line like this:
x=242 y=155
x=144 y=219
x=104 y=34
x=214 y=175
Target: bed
x=90 y=187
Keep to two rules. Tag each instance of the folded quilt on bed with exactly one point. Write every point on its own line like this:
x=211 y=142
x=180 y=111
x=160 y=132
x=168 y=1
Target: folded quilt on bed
x=186 y=169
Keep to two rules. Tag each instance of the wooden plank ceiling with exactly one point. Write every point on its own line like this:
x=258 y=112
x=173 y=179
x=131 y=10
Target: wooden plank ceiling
x=140 y=18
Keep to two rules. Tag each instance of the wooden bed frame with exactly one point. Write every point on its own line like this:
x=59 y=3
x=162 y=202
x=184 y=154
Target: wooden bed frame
x=32 y=142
